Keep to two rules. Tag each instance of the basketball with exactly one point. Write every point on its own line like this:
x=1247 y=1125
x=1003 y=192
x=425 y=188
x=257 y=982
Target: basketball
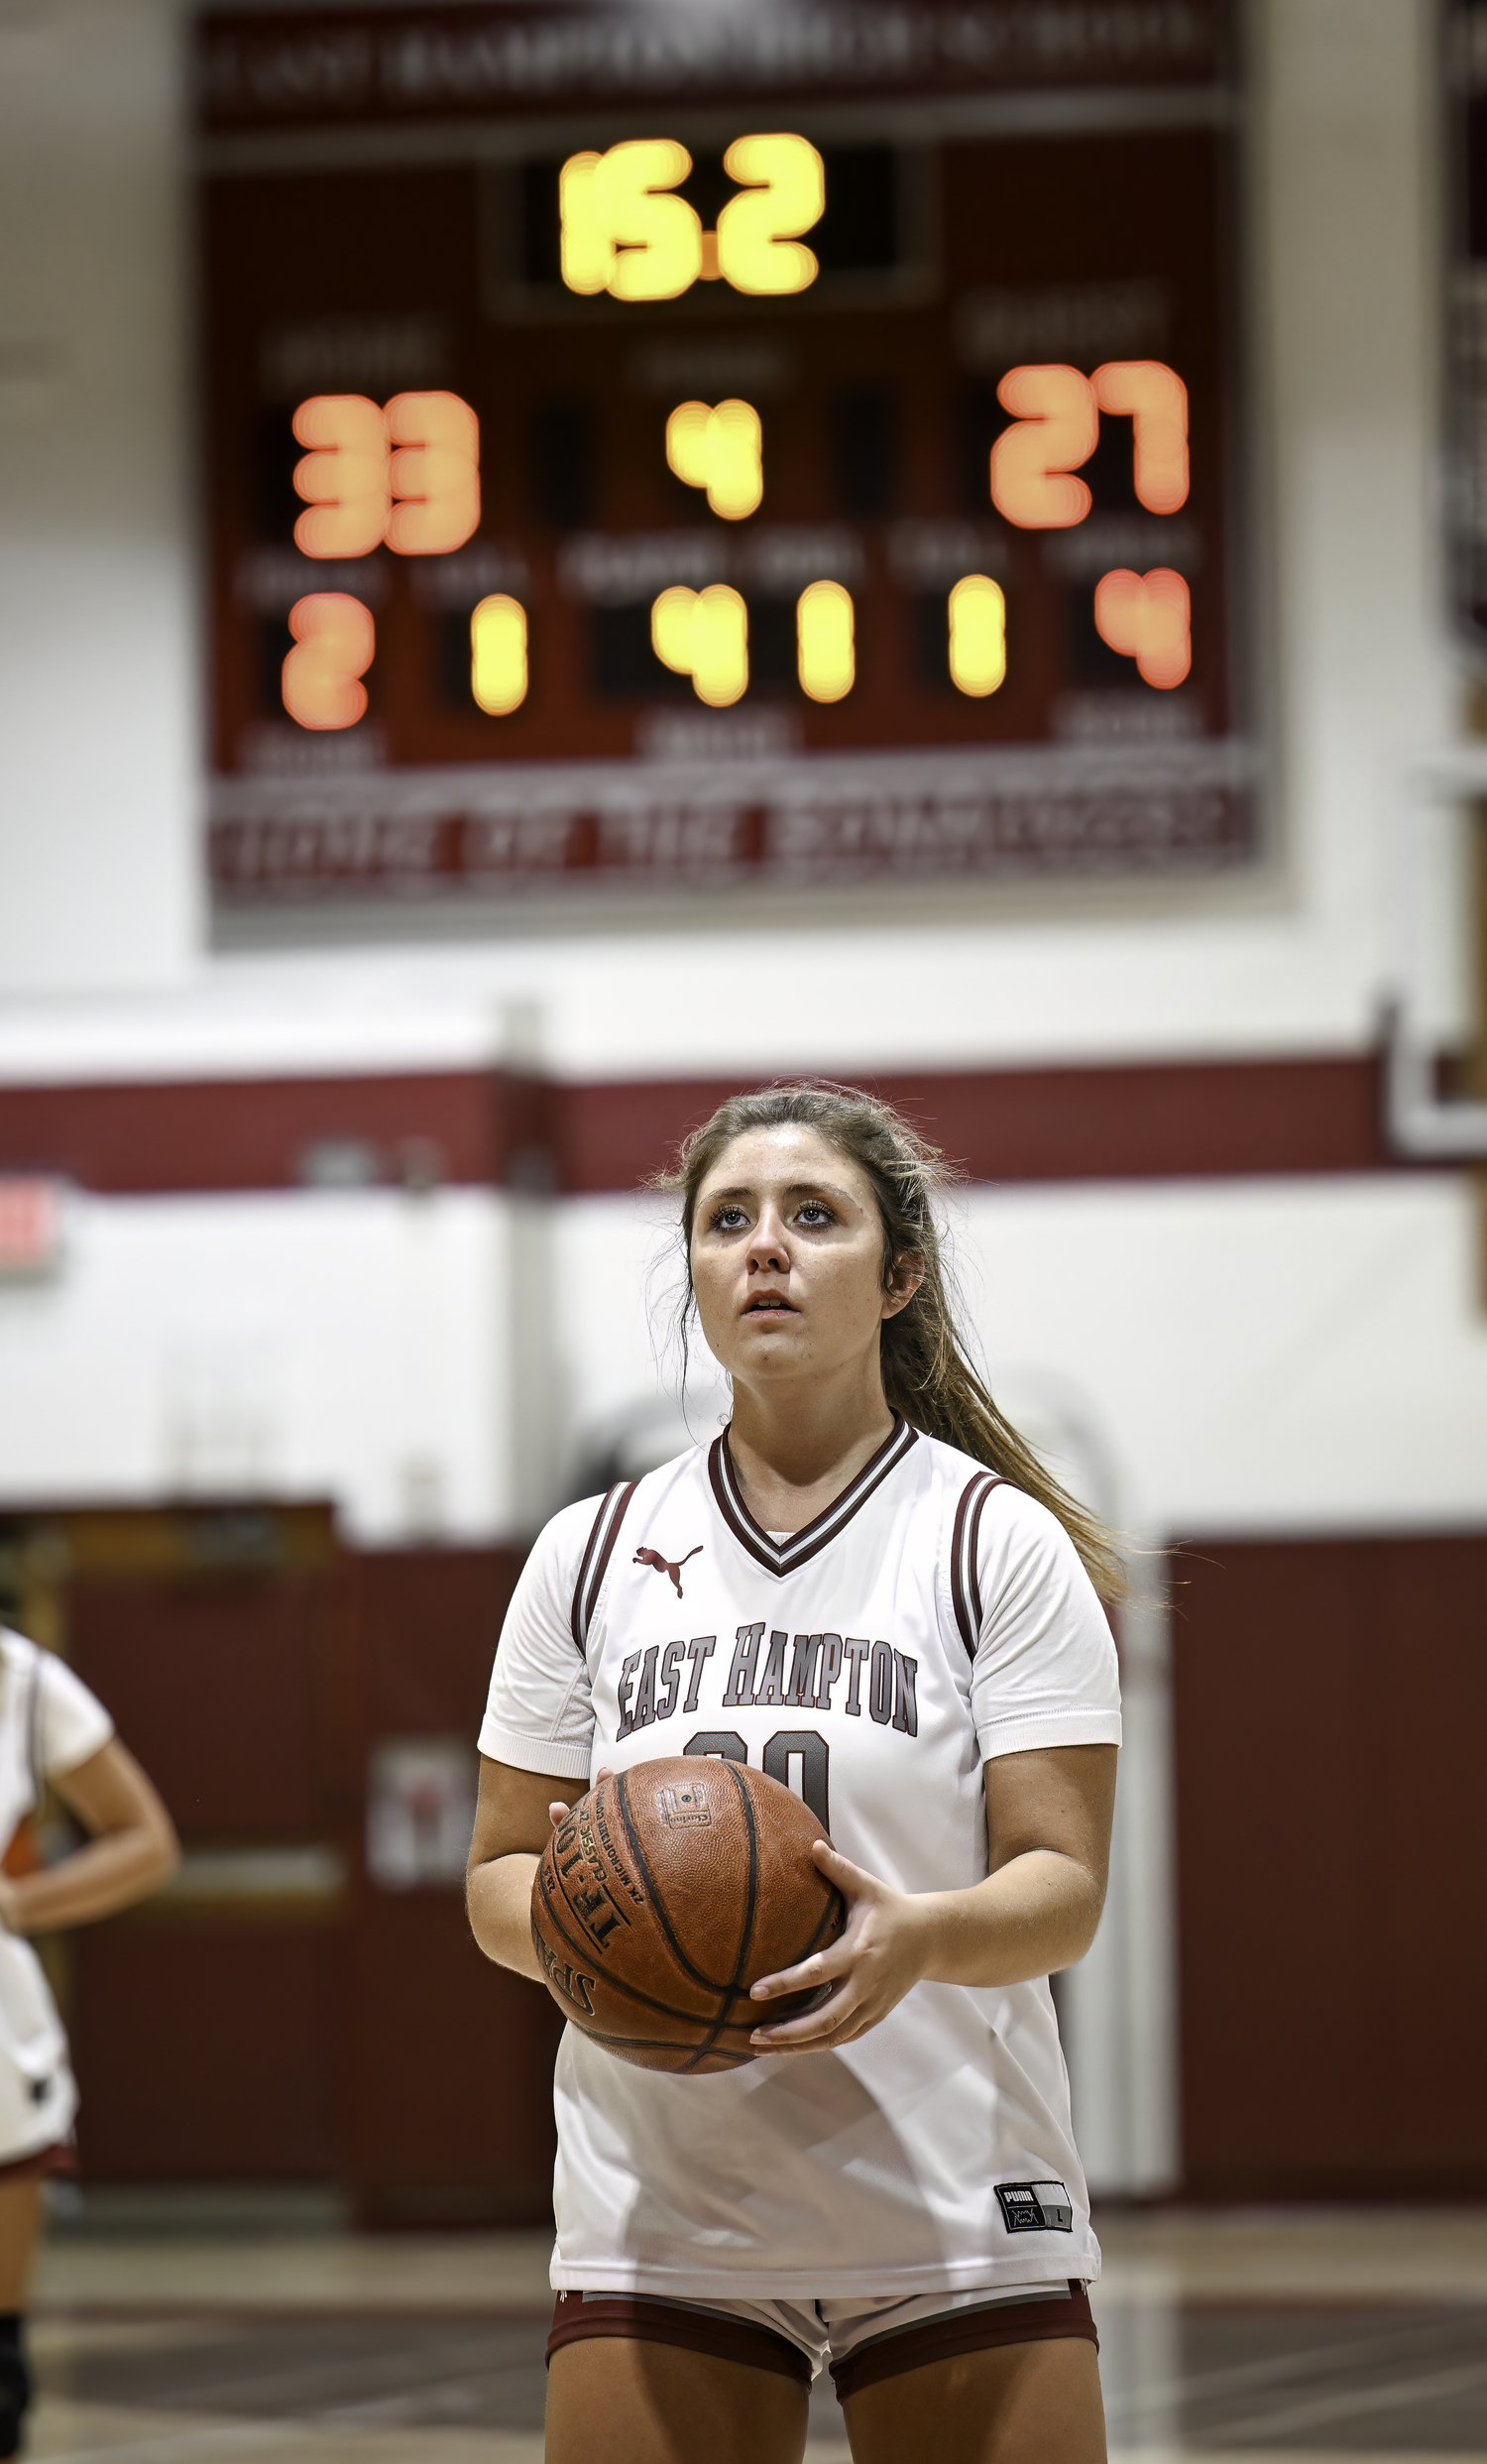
x=666 y=1893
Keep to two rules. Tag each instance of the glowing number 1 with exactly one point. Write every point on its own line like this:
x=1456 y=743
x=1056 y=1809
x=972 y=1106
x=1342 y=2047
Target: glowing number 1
x=423 y=450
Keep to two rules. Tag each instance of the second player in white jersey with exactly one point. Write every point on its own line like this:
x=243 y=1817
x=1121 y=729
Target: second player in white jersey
x=933 y=1619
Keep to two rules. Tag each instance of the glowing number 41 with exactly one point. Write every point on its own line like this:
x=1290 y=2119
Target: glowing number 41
x=408 y=475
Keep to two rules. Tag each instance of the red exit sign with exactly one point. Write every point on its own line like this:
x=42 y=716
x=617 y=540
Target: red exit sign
x=31 y=1223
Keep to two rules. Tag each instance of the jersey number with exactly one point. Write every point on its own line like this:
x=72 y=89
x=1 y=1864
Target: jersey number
x=801 y=1745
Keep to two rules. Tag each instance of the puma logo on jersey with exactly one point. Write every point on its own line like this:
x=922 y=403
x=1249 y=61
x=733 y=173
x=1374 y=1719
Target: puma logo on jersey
x=663 y=1564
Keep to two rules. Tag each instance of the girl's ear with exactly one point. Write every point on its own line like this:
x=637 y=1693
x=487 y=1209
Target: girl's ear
x=903 y=1282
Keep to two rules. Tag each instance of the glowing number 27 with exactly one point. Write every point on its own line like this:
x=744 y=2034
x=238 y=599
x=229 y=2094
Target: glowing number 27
x=409 y=474
x=1057 y=428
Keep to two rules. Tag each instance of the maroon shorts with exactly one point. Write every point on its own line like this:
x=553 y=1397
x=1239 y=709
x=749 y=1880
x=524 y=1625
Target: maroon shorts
x=42 y=2164
x=696 y=2329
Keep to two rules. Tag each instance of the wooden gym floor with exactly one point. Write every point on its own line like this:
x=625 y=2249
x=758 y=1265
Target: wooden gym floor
x=1316 y=2334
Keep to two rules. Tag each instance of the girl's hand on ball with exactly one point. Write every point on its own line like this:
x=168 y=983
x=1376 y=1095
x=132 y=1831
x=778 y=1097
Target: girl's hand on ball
x=880 y=1958
x=558 y=1813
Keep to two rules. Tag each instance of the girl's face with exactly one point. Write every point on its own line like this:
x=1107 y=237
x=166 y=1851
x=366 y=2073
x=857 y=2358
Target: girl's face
x=787 y=1258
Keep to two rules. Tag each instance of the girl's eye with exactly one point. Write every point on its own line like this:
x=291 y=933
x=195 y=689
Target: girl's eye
x=814 y=1213
x=727 y=1219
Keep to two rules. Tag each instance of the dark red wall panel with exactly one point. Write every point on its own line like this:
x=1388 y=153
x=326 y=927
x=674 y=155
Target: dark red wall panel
x=1330 y=1699
x=451 y=2079
x=206 y=2050
x=359 y=2033
x=454 y=2072
x=429 y=1620
x=217 y=1686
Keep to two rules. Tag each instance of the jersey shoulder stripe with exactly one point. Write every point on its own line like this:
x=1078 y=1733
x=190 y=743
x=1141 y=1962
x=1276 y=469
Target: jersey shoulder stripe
x=964 y=1551
x=783 y=1556
x=593 y=1563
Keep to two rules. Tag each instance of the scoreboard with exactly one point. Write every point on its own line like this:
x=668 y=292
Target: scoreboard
x=650 y=447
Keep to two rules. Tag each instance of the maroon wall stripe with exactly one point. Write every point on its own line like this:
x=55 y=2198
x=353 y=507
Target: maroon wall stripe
x=1169 y=1120
x=1165 y=1120
x=250 y=1133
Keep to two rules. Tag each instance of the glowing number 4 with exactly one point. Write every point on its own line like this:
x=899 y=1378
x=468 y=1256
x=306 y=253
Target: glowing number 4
x=408 y=475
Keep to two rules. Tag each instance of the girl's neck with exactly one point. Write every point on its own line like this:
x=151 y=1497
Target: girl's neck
x=795 y=1452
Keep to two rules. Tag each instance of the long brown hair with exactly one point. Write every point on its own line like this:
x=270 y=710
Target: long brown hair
x=927 y=1374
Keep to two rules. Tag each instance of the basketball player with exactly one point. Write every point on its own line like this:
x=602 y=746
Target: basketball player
x=53 y=1732
x=869 y=1587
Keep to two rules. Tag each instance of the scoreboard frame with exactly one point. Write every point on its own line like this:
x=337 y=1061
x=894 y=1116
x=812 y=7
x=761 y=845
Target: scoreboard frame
x=609 y=780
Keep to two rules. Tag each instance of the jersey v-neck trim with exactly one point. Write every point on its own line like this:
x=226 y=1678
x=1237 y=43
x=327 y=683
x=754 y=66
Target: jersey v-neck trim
x=783 y=1556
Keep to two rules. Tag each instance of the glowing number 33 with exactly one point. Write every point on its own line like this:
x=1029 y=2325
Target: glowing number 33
x=410 y=474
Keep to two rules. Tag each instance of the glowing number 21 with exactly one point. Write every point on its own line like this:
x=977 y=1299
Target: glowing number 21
x=408 y=475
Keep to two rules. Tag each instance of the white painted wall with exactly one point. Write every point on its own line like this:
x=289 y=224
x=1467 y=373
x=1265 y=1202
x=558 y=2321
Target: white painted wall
x=1268 y=1357
x=347 y=1344
x=98 y=723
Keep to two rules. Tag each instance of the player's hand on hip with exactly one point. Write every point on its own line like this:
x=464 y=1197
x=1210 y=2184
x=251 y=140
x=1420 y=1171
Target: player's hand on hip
x=879 y=1958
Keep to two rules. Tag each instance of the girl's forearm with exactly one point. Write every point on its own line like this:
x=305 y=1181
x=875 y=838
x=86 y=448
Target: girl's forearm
x=499 y=1898
x=96 y=1880
x=1035 y=1915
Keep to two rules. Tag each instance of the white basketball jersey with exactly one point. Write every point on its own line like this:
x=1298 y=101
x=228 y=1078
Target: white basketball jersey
x=931 y=1619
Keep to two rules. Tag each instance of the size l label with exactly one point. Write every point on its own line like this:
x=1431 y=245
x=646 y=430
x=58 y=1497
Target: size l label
x=1035 y=2206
